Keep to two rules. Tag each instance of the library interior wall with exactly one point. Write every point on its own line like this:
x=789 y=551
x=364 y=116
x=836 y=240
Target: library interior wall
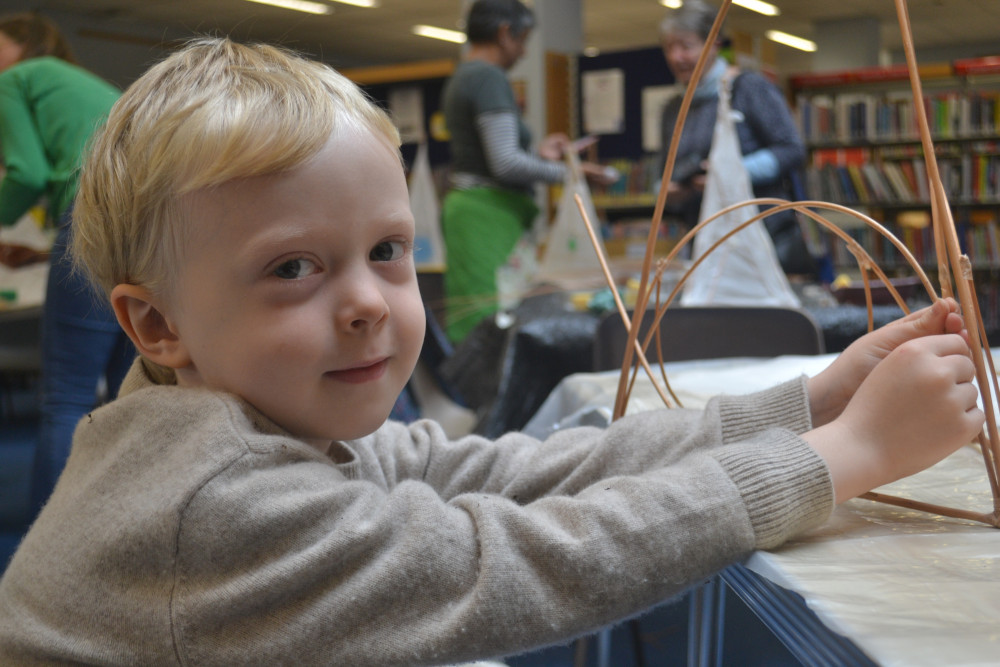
x=846 y=44
x=943 y=54
x=643 y=68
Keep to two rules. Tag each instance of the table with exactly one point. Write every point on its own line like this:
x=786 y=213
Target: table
x=904 y=587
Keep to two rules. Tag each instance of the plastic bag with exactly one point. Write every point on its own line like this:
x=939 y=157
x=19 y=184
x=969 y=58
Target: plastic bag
x=569 y=254
x=428 y=243
x=744 y=270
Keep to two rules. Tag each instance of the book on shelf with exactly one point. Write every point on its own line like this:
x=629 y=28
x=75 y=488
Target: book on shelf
x=923 y=185
x=968 y=179
x=878 y=183
x=639 y=180
x=854 y=117
x=900 y=184
x=978 y=236
x=861 y=190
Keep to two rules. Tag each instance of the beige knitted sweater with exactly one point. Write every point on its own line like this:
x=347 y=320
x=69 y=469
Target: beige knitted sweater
x=187 y=529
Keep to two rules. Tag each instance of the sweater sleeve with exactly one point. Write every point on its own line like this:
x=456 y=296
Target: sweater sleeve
x=508 y=164
x=27 y=168
x=470 y=549
x=771 y=123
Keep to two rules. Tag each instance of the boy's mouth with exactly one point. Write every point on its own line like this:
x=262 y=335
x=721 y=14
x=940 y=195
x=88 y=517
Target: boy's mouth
x=363 y=373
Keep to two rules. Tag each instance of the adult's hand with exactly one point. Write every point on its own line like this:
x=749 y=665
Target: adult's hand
x=599 y=174
x=553 y=146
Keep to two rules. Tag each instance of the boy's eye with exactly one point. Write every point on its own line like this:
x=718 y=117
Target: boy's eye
x=295 y=268
x=386 y=251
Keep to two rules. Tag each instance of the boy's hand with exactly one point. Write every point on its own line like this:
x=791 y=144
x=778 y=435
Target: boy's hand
x=917 y=406
x=830 y=391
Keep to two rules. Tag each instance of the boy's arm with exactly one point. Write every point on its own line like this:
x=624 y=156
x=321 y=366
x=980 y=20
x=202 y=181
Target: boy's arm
x=521 y=467
x=401 y=575
x=403 y=564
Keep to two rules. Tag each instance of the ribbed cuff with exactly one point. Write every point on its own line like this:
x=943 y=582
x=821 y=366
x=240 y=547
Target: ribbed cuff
x=785 y=405
x=785 y=485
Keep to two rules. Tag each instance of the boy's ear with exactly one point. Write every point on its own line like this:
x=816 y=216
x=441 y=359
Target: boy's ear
x=150 y=329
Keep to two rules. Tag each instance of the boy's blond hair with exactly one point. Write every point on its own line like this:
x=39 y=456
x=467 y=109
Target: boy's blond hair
x=212 y=112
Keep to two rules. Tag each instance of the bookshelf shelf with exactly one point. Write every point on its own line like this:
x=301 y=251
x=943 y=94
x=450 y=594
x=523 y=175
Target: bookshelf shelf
x=625 y=201
x=864 y=152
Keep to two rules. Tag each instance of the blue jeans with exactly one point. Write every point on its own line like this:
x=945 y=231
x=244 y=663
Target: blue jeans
x=82 y=344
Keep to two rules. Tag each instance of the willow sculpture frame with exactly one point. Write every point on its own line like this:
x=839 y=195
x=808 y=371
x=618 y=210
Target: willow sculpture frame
x=954 y=275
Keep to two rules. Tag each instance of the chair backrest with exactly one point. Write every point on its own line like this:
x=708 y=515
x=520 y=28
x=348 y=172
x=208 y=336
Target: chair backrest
x=21 y=340
x=713 y=332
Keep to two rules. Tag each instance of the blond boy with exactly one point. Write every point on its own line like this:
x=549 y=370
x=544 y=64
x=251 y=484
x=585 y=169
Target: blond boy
x=244 y=500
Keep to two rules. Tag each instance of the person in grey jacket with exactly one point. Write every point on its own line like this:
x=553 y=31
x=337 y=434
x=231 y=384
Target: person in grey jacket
x=769 y=139
x=245 y=501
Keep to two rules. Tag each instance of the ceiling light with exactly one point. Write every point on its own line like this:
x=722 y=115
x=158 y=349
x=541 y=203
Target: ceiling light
x=359 y=3
x=671 y=4
x=764 y=8
x=298 y=5
x=439 y=33
x=790 y=40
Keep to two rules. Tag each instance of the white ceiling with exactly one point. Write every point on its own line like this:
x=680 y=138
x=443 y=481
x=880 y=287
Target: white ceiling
x=353 y=37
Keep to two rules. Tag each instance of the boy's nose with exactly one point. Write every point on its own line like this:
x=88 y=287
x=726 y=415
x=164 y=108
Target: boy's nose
x=364 y=307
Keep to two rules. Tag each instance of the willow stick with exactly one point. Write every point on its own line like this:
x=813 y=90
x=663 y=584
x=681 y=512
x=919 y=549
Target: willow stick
x=854 y=247
x=960 y=265
x=866 y=261
x=989 y=453
x=804 y=207
x=642 y=294
x=929 y=507
x=860 y=254
x=868 y=297
x=622 y=311
x=954 y=273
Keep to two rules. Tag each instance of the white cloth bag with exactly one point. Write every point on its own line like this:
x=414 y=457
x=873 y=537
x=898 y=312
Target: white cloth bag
x=428 y=253
x=744 y=270
x=569 y=253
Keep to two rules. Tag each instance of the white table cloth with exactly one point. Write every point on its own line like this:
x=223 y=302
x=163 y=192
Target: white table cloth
x=908 y=588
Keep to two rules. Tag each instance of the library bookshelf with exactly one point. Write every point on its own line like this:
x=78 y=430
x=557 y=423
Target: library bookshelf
x=864 y=152
x=626 y=207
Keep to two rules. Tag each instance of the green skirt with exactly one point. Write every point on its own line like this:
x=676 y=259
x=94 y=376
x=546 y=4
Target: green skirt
x=480 y=226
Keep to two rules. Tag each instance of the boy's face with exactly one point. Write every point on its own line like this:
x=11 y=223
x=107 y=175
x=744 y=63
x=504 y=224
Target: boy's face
x=297 y=291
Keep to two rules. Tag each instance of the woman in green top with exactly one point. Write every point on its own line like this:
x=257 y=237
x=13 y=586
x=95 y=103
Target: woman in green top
x=491 y=200
x=49 y=107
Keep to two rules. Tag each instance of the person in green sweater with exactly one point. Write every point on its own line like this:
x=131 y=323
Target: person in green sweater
x=245 y=501
x=49 y=109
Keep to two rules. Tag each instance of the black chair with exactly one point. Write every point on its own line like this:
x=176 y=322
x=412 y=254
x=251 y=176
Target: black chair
x=713 y=332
